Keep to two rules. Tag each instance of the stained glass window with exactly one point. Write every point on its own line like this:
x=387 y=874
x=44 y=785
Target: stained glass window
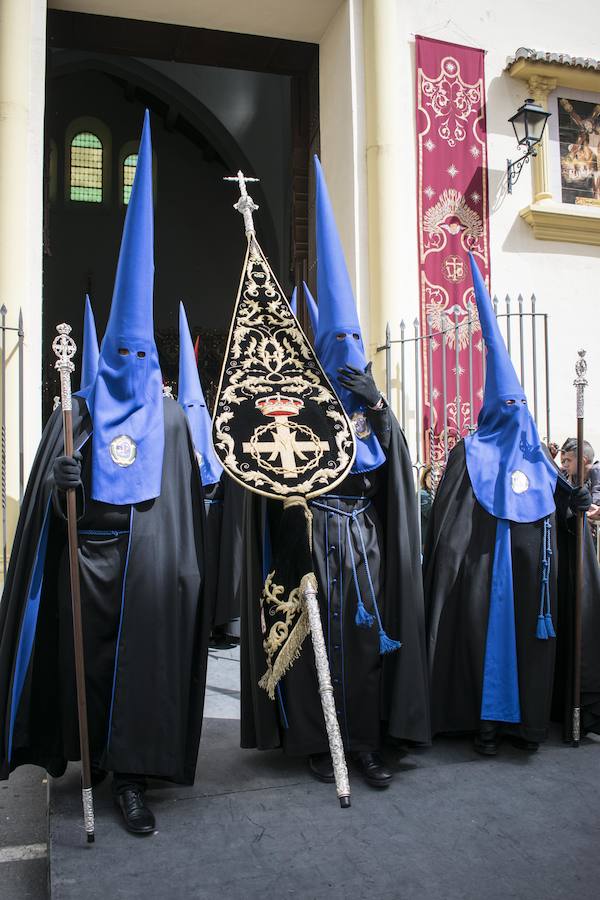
x=129 y=165
x=86 y=168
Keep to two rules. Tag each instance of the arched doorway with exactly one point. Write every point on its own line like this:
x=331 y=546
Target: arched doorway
x=94 y=111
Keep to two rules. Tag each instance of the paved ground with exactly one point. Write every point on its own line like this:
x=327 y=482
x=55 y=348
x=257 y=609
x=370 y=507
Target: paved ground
x=453 y=826
x=23 y=835
x=24 y=869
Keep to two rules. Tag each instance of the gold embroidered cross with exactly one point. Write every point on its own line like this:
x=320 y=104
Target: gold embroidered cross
x=284 y=445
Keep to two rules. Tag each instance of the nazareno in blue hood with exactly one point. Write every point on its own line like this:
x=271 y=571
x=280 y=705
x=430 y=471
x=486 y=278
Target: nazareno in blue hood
x=191 y=399
x=90 y=352
x=511 y=476
x=338 y=340
x=125 y=400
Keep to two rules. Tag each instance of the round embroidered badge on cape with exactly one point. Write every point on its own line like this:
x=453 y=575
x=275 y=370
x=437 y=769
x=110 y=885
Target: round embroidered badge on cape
x=519 y=481
x=123 y=450
x=361 y=425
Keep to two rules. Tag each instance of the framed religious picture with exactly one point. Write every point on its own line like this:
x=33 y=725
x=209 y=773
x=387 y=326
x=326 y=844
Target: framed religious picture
x=579 y=137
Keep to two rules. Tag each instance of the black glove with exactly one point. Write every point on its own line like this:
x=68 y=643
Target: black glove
x=360 y=383
x=580 y=500
x=67 y=471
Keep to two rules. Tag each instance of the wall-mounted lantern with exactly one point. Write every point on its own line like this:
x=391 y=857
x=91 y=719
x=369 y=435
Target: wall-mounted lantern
x=528 y=123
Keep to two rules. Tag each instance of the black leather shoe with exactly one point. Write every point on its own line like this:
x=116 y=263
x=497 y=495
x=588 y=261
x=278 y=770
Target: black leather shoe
x=373 y=769
x=321 y=766
x=138 y=818
x=486 y=741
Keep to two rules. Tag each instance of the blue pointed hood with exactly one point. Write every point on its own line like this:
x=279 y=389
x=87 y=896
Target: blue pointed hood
x=511 y=476
x=125 y=402
x=191 y=400
x=90 y=352
x=294 y=302
x=313 y=309
x=338 y=339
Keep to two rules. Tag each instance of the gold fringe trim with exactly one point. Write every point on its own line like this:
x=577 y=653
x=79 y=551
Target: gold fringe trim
x=290 y=652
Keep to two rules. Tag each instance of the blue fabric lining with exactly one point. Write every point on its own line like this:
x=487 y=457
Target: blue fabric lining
x=282 y=706
x=114 y=685
x=500 y=697
x=29 y=625
x=30 y=617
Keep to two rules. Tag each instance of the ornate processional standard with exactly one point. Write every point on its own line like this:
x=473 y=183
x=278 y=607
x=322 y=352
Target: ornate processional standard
x=280 y=431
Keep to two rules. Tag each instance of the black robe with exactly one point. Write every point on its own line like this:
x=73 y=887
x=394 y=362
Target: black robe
x=151 y=645
x=369 y=689
x=224 y=508
x=458 y=562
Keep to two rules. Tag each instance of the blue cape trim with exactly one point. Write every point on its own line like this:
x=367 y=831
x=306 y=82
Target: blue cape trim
x=500 y=696
x=118 y=643
x=29 y=624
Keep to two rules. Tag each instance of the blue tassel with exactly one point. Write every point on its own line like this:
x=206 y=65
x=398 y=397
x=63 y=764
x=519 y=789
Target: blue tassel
x=545 y=625
x=362 y=618
x=386 y=644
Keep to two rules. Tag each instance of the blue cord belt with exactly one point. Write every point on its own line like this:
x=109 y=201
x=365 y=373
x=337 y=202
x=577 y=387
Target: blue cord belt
x=362 y=618
x=90 y=532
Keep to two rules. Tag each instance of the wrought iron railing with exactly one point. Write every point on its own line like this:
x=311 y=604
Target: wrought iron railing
x=526 y=334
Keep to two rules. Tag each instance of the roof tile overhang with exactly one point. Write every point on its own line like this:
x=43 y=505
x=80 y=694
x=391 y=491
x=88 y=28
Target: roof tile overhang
x=582 y=73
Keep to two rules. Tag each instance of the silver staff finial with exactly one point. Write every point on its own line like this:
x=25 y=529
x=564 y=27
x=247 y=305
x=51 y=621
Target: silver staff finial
x=581 y=367
x=581 y=381
x=65 y=348
x=245 y=205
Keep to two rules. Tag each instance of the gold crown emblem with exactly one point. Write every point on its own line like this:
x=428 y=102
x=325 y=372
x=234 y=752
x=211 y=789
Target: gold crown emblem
x=278 y=405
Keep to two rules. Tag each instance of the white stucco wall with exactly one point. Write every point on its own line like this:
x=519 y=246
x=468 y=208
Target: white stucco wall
x=563 y=276
x=343 y=141
x=22 y=79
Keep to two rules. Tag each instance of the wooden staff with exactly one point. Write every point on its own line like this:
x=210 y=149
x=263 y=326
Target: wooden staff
x=64 y=347
x=580 y=385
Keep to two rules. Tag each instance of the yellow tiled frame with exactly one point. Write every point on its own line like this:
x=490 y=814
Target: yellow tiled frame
x=549 y=219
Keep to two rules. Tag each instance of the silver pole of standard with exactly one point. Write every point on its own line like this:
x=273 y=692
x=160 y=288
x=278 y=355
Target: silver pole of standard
x=88 y=814
x=340 y=769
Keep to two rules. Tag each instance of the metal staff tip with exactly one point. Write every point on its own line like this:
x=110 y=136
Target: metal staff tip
x=245 y=205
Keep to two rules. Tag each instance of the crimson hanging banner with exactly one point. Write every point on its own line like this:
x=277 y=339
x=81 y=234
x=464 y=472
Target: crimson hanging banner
x=453 y=219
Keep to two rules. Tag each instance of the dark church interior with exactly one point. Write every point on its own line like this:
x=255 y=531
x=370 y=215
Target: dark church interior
x=207 y=122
